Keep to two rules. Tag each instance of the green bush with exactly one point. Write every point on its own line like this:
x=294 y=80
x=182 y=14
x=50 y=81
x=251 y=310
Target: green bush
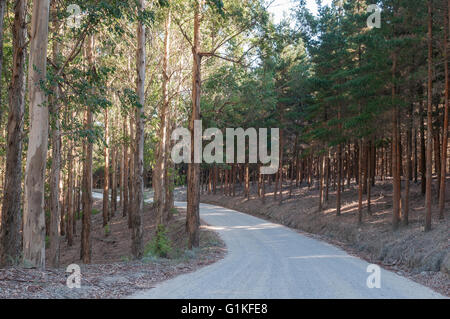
x=107 y=230
x=125 y=259
x=174 y=211
x=160 y=245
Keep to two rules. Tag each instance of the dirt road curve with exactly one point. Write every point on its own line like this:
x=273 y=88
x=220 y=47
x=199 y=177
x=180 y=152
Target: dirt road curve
x=267 y=260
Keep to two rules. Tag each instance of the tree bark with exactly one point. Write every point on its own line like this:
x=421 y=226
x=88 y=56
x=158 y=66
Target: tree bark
x=429 y=120
x=85 y=253
x=395 y=144
x=125 y=168
x=193 y=191
x=11 y=219
x=106 y=174
x=369 y=174
x=408 y=167
x=55 y=171
x=162 y=174
x=69 y=232
x=34 y=214
x=137 y=245
x=445 y=129
x=321 y=181
x=360 y=181
x=423 y=157
x=113 y=182
x=247 y=181
x=131 y=173
x=2 y=20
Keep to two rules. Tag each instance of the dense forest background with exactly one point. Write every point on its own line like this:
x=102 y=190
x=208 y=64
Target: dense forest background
x=89 y=101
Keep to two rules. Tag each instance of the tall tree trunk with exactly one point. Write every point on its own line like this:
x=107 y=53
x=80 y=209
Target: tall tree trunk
x=415 y=166
x=423 y=157
x=339 y=171
x=106 y=174
x=34 y=214
x=368 y=174
x=437 y=154
x=429 y=119
x=409 y=166
x=2 y=20
x=114 y=159
x=75 y=198
x=263 y=188
x=445 y=129
x=69 y=231
x=321 y=181
x=85 y=253
x=55 y=171
x=247 y=181
x=137 y=245
x=125 y=168
x=193 y=191
x=395 y=144
x=62 y=197
x=131 y=173
x=360 y=180
x=162 y=175
x=11 y=219
x=327 y=177
x=113 y=182
x=121 y=163
x=280 y=174
x=235 y=170
x=215 y=179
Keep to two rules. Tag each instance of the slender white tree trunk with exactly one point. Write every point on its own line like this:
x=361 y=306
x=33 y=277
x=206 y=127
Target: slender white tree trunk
x=106 y=180
x=137 y=246
x=55 y=205
x=34 y=215
x=162 y=174
x=86 y=245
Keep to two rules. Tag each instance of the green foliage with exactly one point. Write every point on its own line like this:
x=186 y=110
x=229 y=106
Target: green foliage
x=107 y=230
x=217 y=5
x=47 y=242
x=160 y=245
x=125 y=259
x=174 y=211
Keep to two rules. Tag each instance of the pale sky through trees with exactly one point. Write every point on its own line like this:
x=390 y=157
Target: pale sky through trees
x=280 y=7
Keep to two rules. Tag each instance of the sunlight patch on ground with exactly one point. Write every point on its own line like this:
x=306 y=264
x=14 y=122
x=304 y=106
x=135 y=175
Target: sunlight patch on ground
x=321 y=256
x=255 y=227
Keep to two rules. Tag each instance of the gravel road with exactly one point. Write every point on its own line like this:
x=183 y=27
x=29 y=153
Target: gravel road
x=267 y=260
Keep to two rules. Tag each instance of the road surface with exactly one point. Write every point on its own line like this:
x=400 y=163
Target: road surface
x=267 y=260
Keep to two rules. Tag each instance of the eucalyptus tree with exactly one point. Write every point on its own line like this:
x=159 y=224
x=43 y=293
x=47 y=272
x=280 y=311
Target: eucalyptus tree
x=10 y=238
x=215 y=25
x=137 y=245
x=34 y=215
x=2 y=22
x=161 y=167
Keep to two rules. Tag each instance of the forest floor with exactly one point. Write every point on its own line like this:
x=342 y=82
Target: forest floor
x=422 y=257
x=113 y=274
